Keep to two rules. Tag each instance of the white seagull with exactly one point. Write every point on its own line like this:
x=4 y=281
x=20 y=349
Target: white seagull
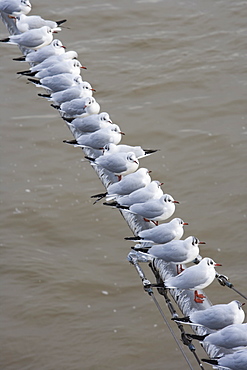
x=28 y=22
x=232 y=361
x=216 y=317
x=230 y=337
x=163 y=233
x=120 y=164
x=151 y=191
x=139 y=152
x=79 y=107
x=52 y=59
x=55 y=48
x=155 y=210
x=84 y=125
x=33 y=39
x=176 y=251
x=58 y=82
x=82 y=90
x=194 y=278
x=66 y=66
x=15 y=7
x=95 y=139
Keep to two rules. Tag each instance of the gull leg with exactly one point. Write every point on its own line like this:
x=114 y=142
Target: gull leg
x=198 y=298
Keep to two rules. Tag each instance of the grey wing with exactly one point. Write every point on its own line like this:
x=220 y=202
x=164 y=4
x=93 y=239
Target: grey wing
x=185 y=280
x=147 y=209
x=30 y=39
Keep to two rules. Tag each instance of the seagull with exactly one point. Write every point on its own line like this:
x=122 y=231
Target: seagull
x=151 y=191
x=82 y=90
x=126 y=185
x=79 y=107
x=139 y=152
x=25 y=23
x=67 y=66
x=91 y=123
x=55 y=48
x=58 y=82
x=155 y=210
x=216 y=317
x=15 y=7
x=230 y=337
x=120 y=164
x=52 y=59
x=161 y=234
x=33 y=39
x=95 y=139
x=194 y=278
x=235 y=361
x=176 y=251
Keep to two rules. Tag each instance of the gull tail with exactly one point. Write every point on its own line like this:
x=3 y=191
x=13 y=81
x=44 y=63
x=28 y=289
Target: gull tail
x=143 y=250
x=150 y=151
x=73 y=142
x=5 y=40
x=115 y=204
x=197 y=337
x=90 y=158
x=35 y=82
x=61 y=22
x=55 y=106
x=182 y=320
x=211 y=362
x=68 y=119
x=27 y=73
x=20 y=59
x=44 y=95
x=133 y=238
x=99 y=197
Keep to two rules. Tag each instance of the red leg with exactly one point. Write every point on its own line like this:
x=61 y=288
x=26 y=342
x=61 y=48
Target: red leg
x=179 y=269
x=119 y=177
x=198 y=298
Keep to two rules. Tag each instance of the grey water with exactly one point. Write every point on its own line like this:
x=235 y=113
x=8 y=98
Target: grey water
x=172 y=74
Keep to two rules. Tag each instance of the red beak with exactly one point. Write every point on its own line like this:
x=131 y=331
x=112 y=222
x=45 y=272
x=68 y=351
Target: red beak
x=218 y=264
x=175 y=201
x=185 y=223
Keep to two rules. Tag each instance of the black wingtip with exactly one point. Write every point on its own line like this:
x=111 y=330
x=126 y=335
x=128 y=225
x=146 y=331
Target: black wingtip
x=150 y=151
x=73 y=142
x=133 y=238
x=89 y=158
x=44 y=95
x=5 y=40
x=101 y=195
x=55 y=106
x=197 y=337
x=34 y=81
x=181 y=319
x=112 y=204
x=68 y=119
x=20 y=59
x=212 y=362
x=26 y=73
x=61 y=22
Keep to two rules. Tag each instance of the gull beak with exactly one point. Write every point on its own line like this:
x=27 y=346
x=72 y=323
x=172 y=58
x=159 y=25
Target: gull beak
x=150 y=171
x=162 y=183
x=122 y=133
x=84 y=68
x=185 y=223
x=93 y=90
x=63 y=46
x=217 y=264
x=176 y=201
x=203 y=243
